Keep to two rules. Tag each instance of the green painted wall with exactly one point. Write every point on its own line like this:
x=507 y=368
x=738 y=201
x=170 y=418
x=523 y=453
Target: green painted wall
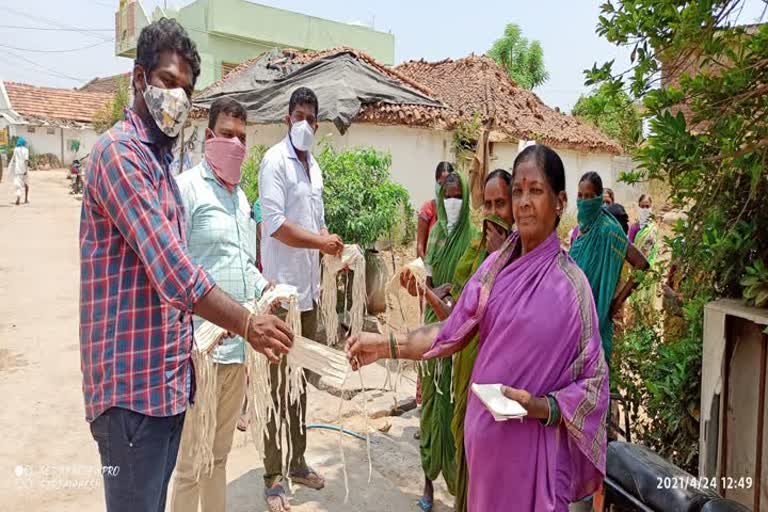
x=232 y=31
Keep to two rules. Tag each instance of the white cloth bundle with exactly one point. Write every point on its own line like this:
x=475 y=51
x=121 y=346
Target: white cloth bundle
x=405 y=311
x=305 y=353
x=201 y=416
x=353 y=259
x=261 y=406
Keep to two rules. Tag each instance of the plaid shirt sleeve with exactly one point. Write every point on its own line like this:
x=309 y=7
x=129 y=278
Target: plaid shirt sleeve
x=126 y=191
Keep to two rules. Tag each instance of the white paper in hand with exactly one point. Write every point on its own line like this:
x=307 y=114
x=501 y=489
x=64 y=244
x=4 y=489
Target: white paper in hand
x=501 y=407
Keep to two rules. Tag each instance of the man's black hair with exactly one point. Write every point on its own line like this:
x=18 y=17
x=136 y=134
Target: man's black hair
x=166 y=35
x=303 y=96
x=226 y=105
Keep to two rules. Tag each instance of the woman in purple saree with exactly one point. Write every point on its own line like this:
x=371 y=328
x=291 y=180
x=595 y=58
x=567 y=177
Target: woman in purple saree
x=539 y=337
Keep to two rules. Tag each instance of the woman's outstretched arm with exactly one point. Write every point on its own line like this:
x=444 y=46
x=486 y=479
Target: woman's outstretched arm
x=367 y=347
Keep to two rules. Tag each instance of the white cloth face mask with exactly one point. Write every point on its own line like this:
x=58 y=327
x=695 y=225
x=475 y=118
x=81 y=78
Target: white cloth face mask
x=452 y=211
x=302 y=135
x=644 y=216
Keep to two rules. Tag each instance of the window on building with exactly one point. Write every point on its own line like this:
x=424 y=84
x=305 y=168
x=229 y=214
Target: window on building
x=50 y=131
x=30 y=129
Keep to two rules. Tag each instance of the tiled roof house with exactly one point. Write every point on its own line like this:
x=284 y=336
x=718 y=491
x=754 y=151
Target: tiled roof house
x=476 y=84
x=48 y=105
x=419 y=136
x=54 y=121
x=107 y=85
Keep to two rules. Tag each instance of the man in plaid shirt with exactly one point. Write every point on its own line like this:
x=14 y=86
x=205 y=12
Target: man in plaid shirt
x=139 y=287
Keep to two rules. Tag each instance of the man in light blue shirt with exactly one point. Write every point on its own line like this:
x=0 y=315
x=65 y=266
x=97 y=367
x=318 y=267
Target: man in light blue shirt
x=221 y=235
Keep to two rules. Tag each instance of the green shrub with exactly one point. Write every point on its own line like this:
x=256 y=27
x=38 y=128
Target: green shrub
x=114 y=110
x=712 y=155
x=249 y=181
x=660 y=379
x=362 y=203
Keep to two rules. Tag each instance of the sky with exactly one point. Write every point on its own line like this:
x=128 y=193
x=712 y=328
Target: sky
x=78 y=43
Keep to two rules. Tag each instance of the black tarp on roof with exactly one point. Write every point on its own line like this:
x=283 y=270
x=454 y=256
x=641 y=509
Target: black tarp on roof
x=343 y=84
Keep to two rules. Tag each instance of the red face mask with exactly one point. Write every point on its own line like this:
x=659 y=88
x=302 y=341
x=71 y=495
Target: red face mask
x=225 y=156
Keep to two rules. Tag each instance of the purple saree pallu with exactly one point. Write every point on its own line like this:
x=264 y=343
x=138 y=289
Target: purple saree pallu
x=538 y=332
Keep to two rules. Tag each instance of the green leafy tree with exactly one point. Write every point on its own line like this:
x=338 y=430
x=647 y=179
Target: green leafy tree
x=614 y=113
x=703 y=81
x=523 y=60
x=112 y=112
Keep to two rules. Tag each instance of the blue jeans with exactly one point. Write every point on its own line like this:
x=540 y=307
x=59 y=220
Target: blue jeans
x=138 y=454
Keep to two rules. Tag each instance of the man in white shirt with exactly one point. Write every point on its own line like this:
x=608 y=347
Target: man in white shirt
x=19 y=168
x=293 y=236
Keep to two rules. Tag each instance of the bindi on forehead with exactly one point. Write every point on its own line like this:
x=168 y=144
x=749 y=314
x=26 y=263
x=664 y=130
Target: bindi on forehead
x=525 y=180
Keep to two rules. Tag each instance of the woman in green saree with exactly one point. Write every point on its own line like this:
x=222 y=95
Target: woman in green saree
x=448 y=240
x=497 y=222
x=646 y=231
x=600 y=251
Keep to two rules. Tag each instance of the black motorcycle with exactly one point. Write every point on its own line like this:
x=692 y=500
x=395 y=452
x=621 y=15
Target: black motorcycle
x=639 y=480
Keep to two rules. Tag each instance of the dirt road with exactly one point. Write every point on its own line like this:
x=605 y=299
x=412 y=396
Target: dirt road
x=48 y=460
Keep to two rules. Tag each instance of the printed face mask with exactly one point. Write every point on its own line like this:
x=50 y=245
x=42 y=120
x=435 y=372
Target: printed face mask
x=225 y=156
x=302 y=136
x=168 y=107
x=452 y=211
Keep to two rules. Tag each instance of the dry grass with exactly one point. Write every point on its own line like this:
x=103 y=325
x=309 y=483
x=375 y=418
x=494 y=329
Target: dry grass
x=567 y=223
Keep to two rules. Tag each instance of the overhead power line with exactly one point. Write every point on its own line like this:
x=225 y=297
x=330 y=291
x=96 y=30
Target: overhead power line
x=32 y=50
x=46 y=68
x=58 y=29
x=51 y=22
x=30 y=71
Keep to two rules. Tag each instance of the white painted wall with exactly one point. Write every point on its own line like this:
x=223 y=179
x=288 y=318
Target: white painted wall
x=43 y=142
x=415 y=151
x=87 y=138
